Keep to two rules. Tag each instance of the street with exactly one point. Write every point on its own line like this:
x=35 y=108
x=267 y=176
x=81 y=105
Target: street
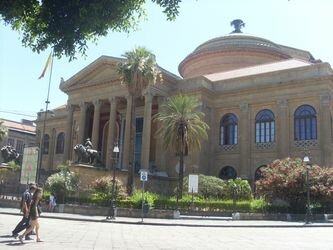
x=67 y=234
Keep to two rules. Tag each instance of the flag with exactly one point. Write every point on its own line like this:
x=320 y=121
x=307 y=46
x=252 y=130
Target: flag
x=46 y=66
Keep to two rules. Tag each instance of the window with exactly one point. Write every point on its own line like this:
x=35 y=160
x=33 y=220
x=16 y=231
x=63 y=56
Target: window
x=138 y=144
x=60 y=143
x=11 y=142
x=305 y=123
x=258 y=174
x=229 y=130
x=19 y=146
x=227 y=173
x=265 y=126
x=46 y=143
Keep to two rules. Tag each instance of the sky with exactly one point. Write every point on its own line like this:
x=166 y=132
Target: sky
x=302 y=24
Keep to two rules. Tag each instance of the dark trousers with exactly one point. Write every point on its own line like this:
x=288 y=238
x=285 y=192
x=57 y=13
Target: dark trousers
x=23 y=224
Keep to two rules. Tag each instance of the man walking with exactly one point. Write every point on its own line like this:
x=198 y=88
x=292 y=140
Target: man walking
x=25 y=207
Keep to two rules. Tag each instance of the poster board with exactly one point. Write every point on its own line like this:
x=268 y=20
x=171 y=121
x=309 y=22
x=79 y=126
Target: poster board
x=29 y=165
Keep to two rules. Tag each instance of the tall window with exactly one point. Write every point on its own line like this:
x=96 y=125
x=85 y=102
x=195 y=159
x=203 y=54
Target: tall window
x=19 y=146
x=265 y=126
x=60 y=143
x=46 y=143
x=305 y=123
x=227 y=173
x=138 y=144
x=229 y=130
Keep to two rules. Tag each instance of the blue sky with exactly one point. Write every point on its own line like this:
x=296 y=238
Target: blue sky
x=301 y=24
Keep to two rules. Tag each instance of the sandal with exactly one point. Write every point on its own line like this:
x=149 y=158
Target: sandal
x=39 y=240
x=21 y=238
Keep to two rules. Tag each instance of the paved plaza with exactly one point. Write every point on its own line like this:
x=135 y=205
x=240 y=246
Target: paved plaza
x=83 y=234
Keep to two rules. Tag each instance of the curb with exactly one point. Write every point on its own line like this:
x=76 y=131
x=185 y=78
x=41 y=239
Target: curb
x=180 y=224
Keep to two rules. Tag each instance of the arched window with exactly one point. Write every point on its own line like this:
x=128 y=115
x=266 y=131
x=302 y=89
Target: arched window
x=258 y=173
x=46 y=143
x=229 y=130
x=265 y=126
x=305 y=123
x=227 y=173
x=60 y=143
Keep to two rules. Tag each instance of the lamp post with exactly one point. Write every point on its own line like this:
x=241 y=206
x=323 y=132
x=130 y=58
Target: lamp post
x=308 y=163
x=113 y=208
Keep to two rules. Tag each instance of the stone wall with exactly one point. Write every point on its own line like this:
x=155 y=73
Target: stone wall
x=88 y=174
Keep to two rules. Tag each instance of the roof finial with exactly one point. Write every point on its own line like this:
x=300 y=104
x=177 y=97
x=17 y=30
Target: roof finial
x=238 y=24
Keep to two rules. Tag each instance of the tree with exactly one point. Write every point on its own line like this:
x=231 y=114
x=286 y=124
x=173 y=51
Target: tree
x=182 y=129
x=3 y=131
x=67 y=25
x=138 y=72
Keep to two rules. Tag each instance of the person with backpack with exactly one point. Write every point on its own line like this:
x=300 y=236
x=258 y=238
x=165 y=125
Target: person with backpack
x=25 y=208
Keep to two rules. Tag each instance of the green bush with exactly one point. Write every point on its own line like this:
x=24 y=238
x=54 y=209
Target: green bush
x=103 y=190
x=62 y=183
x=216 y=188
x=148 y=197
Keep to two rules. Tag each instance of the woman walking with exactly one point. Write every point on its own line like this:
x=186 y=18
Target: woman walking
x=34 y=215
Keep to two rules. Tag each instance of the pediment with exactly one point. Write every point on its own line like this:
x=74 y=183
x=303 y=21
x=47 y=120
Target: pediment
x=101 y=71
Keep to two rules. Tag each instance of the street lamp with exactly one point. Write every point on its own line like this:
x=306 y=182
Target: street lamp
x=113 y=208
x=308 y=163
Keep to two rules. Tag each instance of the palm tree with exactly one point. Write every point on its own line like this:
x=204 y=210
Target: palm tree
x=182 y=128
x=138 y=72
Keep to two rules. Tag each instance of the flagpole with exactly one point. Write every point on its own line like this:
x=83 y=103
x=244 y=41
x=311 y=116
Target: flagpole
x=41 y=144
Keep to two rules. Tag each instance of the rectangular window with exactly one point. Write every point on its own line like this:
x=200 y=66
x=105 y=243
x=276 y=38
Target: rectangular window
x=257 y=132
x=19 y=146
x=11 y=142
x=262 y=132
x=272 y=131
x=236 y=135
x=138 y=144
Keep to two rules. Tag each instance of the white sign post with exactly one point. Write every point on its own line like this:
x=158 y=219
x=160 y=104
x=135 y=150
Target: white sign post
x=29 y=165
x=143 y=178
x=193 y=184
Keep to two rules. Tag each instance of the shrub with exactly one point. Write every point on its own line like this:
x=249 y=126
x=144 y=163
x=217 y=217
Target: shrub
x=62 y=183
x=216 y=188
x=103 y=190
x=285 y=181
x=149 y=197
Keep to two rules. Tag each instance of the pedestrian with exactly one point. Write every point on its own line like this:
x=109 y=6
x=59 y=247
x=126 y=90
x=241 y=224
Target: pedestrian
x=34 y=214
x=25 y=208
x=52 y=202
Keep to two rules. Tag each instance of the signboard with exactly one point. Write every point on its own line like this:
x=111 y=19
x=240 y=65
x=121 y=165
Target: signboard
x=193 y=183
x=29 y=165
x=143 y=175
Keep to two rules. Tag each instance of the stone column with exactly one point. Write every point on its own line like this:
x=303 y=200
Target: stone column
x=83 y=113
x=128 y=127
x=52 y=144
x=282 y=130
x=95 y=130
x=244 y=142
x=325 y=133
x=111 y=131
x=146 y=131
x=160 y=157
x=68 y=135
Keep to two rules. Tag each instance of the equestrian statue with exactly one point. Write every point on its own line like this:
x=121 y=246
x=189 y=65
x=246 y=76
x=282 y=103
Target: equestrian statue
x=9 y=153
x=86 y=153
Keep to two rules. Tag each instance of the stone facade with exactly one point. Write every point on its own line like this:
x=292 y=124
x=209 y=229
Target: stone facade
x=262 y=101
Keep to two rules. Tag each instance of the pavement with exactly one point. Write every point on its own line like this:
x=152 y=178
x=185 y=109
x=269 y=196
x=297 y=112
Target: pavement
x=188 y=221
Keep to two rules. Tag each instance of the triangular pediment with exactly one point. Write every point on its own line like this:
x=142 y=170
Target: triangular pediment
x=102 y=70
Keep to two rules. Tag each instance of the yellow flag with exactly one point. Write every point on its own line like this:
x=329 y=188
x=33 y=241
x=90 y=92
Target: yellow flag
x=46 y=66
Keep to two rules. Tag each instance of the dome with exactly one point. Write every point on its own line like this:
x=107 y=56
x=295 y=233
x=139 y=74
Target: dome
x=230 y=52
